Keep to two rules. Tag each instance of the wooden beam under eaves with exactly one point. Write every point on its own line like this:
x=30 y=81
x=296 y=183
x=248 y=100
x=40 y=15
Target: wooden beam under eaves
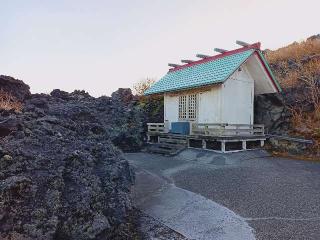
x=220 y=50
x=173 y=65
x=202 y=56
x=243 y=44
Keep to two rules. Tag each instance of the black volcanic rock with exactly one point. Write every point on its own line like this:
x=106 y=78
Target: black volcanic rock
x=270 y=110
x=61 y=177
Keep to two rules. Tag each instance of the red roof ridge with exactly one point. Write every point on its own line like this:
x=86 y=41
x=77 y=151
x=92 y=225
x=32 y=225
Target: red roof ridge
x=256 y=45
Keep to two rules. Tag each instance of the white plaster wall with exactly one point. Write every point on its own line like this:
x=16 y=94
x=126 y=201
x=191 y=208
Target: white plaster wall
x=230 y=102
x=209 y=105
x=171 y=109
x=262 y=83
x=237 y=98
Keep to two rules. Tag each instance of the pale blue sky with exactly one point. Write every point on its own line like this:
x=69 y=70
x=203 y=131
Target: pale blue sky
x=100 y=46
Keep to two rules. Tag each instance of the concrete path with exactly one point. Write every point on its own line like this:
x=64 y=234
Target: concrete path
x=207 y=195
x=190 y=214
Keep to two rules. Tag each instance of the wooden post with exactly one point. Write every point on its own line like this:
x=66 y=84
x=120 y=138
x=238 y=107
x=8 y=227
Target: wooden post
x=204 y=144
x=223 y=146
x=244 y=145
x=223 y=129
x=191 y=126
x=148 y=138
x=166 y=126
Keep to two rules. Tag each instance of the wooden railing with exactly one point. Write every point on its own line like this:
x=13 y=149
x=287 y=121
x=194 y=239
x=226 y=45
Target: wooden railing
x=156 y=127
x=214 y=129
x=224 y=129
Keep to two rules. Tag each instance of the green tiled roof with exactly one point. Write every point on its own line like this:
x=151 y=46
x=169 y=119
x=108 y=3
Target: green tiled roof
x=211 y=72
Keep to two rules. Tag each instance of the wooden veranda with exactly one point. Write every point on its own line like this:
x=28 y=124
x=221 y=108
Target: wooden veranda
x=211 y=136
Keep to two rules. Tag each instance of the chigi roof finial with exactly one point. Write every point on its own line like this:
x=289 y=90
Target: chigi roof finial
x=220 y=50
x=203 y=56
x=173 y=65
x=242 y=43
x=186 y=61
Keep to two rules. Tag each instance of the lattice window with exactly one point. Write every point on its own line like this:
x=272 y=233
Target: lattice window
x=192 y=106
x=188 y=107
x=182 y=107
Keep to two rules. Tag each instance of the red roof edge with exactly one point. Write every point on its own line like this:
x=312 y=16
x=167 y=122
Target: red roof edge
x=268 y=73
x=256 y=45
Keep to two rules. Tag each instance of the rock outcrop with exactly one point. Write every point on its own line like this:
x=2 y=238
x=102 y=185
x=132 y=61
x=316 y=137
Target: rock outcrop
x=124 y=119
x=273 y=110
x=61 y=177
x=270 y=110
x=15 y=87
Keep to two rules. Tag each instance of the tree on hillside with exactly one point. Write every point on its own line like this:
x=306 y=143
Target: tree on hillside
x=152 y=106
x=140 y=87
x=9 y=102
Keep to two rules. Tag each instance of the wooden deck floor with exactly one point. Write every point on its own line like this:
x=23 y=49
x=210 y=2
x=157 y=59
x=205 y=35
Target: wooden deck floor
x=210 y=142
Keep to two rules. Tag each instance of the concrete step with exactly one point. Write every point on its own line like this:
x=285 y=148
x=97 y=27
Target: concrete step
x=174 y=136
x=173 y=141
x=170 y=145
x=160 y=151
x=166 y=149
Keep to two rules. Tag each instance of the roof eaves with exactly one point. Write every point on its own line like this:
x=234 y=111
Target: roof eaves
x=273 y=78
x=185 y=88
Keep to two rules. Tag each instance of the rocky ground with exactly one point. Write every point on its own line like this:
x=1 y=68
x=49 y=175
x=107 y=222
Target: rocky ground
x=62 y=175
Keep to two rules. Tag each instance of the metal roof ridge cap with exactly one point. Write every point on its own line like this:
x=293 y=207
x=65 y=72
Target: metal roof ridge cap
x=254 y=46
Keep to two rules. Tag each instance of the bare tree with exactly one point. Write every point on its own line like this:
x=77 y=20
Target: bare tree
x=8 y=102
x=140 y=87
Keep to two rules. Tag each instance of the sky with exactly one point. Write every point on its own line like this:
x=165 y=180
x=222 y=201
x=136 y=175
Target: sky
x=102 y=45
